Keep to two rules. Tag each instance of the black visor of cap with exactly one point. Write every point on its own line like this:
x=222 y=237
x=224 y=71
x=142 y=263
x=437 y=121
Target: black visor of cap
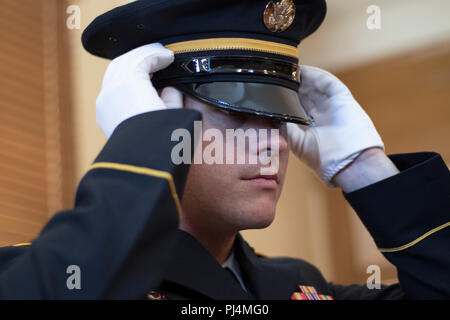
x=260 y=99
x=262 y=86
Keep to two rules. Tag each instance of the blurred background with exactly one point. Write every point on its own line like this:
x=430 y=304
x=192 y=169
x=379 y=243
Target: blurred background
x=399 y=70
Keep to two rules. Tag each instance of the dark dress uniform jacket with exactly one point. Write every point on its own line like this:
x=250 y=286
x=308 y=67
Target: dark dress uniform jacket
x=122 y=232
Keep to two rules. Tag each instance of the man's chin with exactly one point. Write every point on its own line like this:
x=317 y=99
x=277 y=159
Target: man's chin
x=259 y=225
x=257 y=219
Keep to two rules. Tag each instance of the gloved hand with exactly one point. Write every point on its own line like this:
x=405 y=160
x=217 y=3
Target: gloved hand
x=127 y=89
x=342 y=129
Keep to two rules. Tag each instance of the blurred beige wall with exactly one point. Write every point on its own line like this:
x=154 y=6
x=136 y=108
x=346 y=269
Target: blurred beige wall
x=301 y=227
x=87 y=74
x=344 y=41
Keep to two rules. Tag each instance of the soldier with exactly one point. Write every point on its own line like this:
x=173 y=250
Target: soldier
x=143 y=226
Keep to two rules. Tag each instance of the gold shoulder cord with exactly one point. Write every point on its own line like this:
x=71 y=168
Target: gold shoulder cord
x=422 y=237
x=143 y=171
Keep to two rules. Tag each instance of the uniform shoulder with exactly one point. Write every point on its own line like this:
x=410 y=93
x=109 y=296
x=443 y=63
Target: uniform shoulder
x=302 y=265
x=10 y=253
x=291 y=265
x=298 y=271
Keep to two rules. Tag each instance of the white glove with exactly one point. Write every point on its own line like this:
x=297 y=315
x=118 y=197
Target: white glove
x=127 y=89
x=342 y=129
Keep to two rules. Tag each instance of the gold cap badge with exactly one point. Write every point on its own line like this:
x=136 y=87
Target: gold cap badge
x=279 y=15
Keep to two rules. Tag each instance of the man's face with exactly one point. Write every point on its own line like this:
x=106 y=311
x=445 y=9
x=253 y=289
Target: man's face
x=232 y=197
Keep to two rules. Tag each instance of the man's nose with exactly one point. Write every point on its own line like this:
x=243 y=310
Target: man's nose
x=258 y=123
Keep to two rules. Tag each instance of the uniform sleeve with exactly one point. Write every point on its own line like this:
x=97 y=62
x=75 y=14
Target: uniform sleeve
x=408 y=216
x=122 y=227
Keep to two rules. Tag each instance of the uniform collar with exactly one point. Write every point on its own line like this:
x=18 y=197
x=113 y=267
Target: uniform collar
x=193 y=267
x=267 y=279
x=232 y=264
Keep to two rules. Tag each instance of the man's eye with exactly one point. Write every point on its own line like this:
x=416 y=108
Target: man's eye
x=225 y=111
x=278 y=123
x=232 y=113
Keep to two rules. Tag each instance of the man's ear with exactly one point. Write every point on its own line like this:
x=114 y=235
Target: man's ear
x=172 y=98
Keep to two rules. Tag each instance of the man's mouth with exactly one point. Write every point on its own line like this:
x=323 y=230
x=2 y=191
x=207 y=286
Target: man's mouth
x=263 y=181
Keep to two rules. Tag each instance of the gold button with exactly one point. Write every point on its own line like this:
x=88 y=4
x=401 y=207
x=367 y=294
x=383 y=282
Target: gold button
x=279 y=15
